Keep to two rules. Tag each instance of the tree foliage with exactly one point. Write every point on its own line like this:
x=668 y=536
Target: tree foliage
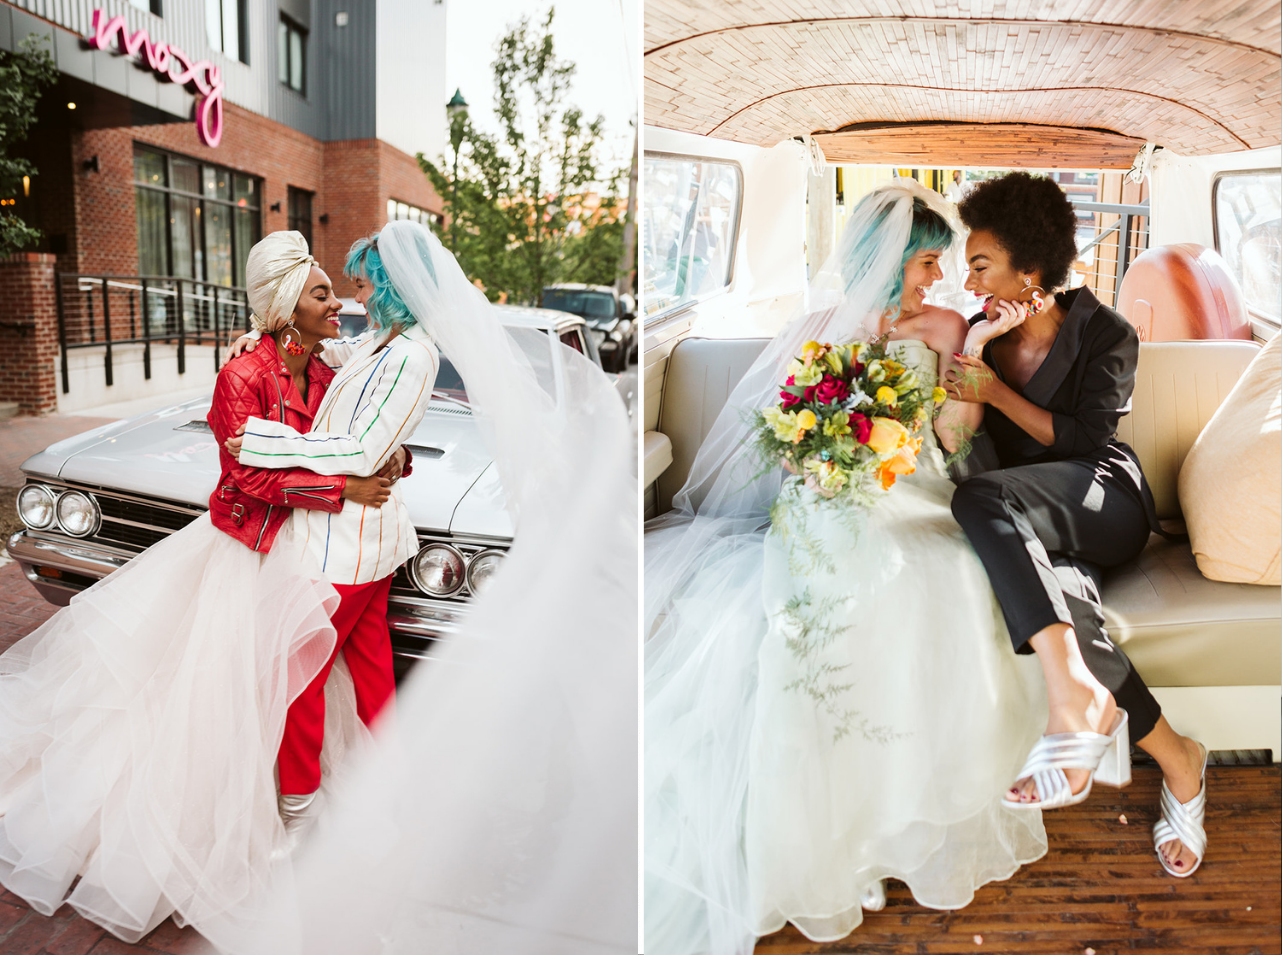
x=22 y=75
x=516 y=219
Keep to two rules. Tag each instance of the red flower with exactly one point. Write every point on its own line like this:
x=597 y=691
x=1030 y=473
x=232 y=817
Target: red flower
x=787 y=399
x=810 y=392
x=831 y=390
x=861 y=425
x=792 y=380
x=859 y=368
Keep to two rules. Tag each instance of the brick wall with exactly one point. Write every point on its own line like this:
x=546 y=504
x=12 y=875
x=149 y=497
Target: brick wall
x=28 y=332
x=351 y=181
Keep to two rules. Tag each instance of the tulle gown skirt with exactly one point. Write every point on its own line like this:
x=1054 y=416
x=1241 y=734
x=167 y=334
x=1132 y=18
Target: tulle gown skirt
x=891 y=714
x=139 y=728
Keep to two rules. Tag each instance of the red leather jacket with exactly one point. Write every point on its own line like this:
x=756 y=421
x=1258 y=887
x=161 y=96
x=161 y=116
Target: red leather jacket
x=251 y=504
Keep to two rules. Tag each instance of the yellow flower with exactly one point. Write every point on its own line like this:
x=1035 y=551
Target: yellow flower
x=906 y=383
x=808 y=375
x=810 y=351
x=939 y=396
x=784 y=423
x=838 y=424
x=874 y=371
x=806 y=419
x=859 y=350
x=886 y=395
x=833 y=361
x=832 y=478
x=887 y=435
x=892 y=366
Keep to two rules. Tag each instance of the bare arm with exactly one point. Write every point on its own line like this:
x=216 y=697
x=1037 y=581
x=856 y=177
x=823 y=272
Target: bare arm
x=957 y=421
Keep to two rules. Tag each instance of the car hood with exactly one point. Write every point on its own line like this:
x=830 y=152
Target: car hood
x=170 y=453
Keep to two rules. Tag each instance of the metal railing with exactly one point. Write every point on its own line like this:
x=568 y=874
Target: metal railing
x=94 y=311
x=1131 y=235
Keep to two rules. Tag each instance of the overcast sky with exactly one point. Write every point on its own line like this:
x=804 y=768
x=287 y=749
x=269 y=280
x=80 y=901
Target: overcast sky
x=600 y=36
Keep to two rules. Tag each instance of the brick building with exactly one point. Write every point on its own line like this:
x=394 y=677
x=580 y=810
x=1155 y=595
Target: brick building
x=230 y=119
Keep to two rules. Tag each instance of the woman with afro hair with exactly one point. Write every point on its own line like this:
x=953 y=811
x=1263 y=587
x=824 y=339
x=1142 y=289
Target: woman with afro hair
x=1055 y=370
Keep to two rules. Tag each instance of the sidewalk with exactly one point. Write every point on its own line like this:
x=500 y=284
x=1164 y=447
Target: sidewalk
x=22 y=437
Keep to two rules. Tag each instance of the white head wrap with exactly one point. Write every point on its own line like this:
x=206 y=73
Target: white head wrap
x=275 y=273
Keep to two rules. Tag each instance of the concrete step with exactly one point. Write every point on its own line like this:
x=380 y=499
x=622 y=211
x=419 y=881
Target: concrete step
x=8 y=409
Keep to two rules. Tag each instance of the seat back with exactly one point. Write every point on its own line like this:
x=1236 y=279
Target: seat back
x=1181 y=292
x=701 y=374
x=1178 y=386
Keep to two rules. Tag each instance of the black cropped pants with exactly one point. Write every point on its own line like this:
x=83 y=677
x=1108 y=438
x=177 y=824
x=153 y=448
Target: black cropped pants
x=1045 y=532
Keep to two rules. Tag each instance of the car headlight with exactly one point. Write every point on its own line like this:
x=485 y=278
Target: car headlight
x=78 y=514
x=35 y=506
x=438 y=570
x=482 y=568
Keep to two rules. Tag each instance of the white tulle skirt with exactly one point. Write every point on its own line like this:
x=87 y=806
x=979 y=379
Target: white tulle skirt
x=139 y=729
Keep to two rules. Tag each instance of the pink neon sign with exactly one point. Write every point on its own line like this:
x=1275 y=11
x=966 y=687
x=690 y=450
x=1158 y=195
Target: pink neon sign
x=171 y=64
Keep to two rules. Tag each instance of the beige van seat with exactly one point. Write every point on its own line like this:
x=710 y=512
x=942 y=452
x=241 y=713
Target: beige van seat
x=1209 y=649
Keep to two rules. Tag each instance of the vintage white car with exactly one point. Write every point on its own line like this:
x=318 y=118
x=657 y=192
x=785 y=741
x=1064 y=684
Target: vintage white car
x=94 y=501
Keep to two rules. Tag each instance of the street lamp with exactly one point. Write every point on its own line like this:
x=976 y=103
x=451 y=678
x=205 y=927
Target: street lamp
x=457 y=110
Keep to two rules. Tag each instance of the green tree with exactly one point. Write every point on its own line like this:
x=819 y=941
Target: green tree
x=509 y=207
x=22 y=75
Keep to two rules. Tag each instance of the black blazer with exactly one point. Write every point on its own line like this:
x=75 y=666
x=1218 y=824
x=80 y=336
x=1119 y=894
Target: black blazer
x=1085 y=382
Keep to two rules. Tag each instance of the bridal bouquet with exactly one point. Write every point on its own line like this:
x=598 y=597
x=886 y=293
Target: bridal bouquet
x=848 y=418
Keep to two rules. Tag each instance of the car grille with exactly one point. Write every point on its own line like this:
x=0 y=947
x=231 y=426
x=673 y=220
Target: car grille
x=136 y=523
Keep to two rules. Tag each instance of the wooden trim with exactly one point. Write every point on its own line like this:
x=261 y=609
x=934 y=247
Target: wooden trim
x=1021 y=145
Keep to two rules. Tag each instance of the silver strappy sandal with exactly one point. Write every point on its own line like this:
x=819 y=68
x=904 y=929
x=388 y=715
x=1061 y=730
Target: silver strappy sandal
x=1182 y=821
x=1107 y=757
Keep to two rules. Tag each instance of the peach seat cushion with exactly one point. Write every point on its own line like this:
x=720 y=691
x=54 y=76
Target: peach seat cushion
x=1230 y=485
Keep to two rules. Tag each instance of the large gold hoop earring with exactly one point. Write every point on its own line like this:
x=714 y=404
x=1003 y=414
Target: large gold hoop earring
x=1035 y=301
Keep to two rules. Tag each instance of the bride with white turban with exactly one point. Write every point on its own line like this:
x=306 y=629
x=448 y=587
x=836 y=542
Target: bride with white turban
x=139 y=726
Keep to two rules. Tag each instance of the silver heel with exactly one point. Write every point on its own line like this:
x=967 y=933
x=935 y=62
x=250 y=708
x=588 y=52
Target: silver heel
x=1115 y=765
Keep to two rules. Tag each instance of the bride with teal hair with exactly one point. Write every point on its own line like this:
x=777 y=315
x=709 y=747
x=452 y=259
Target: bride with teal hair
x=830 y=695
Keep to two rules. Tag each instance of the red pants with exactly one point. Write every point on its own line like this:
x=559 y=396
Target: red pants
x=361 y=622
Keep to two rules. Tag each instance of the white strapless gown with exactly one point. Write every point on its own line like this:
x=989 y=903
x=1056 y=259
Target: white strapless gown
x=138 y=735
x=853 y=710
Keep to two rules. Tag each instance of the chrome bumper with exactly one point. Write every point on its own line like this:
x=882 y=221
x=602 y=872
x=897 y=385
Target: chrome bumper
x=415 y=622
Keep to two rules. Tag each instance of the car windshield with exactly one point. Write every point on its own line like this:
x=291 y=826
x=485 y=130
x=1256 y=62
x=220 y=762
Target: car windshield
x=591 y=305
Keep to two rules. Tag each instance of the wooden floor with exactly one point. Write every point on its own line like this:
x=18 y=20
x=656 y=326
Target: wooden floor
x=1100 y=886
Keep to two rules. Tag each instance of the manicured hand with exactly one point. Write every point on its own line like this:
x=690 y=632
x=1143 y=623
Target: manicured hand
x=233 y=444
x=372 y=491
x=242 y=344
x=1009 y=315
x=395 y=464
x=972 y=381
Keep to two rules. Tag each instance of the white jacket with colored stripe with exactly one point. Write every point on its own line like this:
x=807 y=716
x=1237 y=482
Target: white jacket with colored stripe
x=371 y=408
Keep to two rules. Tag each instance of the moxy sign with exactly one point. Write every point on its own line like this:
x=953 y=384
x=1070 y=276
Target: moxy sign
x=172 y=64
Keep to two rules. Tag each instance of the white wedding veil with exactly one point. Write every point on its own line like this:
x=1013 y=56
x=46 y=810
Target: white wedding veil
x=500 y=812
x=702 y=575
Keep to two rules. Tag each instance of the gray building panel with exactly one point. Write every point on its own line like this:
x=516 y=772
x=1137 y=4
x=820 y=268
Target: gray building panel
x=348 y=54
x=6 y=28
x=111 y=71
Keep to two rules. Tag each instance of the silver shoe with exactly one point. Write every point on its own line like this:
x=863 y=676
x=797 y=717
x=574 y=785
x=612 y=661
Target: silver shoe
x=298 y=813
x=1183 y=821
x=1108 y=757
x=874 y=897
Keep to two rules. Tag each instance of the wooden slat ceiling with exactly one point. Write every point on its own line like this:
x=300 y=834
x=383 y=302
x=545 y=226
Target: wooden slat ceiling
x=968 y=83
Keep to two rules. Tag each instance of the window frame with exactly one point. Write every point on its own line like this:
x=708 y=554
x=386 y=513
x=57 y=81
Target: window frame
x=292 y=26
x=653 y=322
x=1262 y=326
x=169 y=191
x=291 y=218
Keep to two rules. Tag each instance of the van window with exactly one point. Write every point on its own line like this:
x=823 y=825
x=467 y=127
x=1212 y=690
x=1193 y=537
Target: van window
x=1248 y=233
x=690 y=226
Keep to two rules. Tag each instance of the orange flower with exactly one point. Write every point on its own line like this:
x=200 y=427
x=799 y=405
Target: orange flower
x=904 y=462
x=887 y=435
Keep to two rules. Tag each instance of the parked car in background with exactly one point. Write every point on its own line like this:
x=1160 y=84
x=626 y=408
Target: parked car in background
x=91 y=503
x=611 y=319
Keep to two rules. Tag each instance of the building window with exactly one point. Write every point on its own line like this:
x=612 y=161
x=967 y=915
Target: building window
x=291 y=55
x=227 y=27
x=195 y=221
x=300 y=213
x=1248 y=232
x=403 y=210
x=150 y=6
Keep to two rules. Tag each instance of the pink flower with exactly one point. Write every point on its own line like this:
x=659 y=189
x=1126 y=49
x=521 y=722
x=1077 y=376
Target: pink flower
x=792 y=380
x=810 y=392
x=862 y=426
x=787 y=399
x=831 y=390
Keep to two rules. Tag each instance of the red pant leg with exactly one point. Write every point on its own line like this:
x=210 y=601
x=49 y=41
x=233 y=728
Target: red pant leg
x=368 y=652
x=299 y=759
